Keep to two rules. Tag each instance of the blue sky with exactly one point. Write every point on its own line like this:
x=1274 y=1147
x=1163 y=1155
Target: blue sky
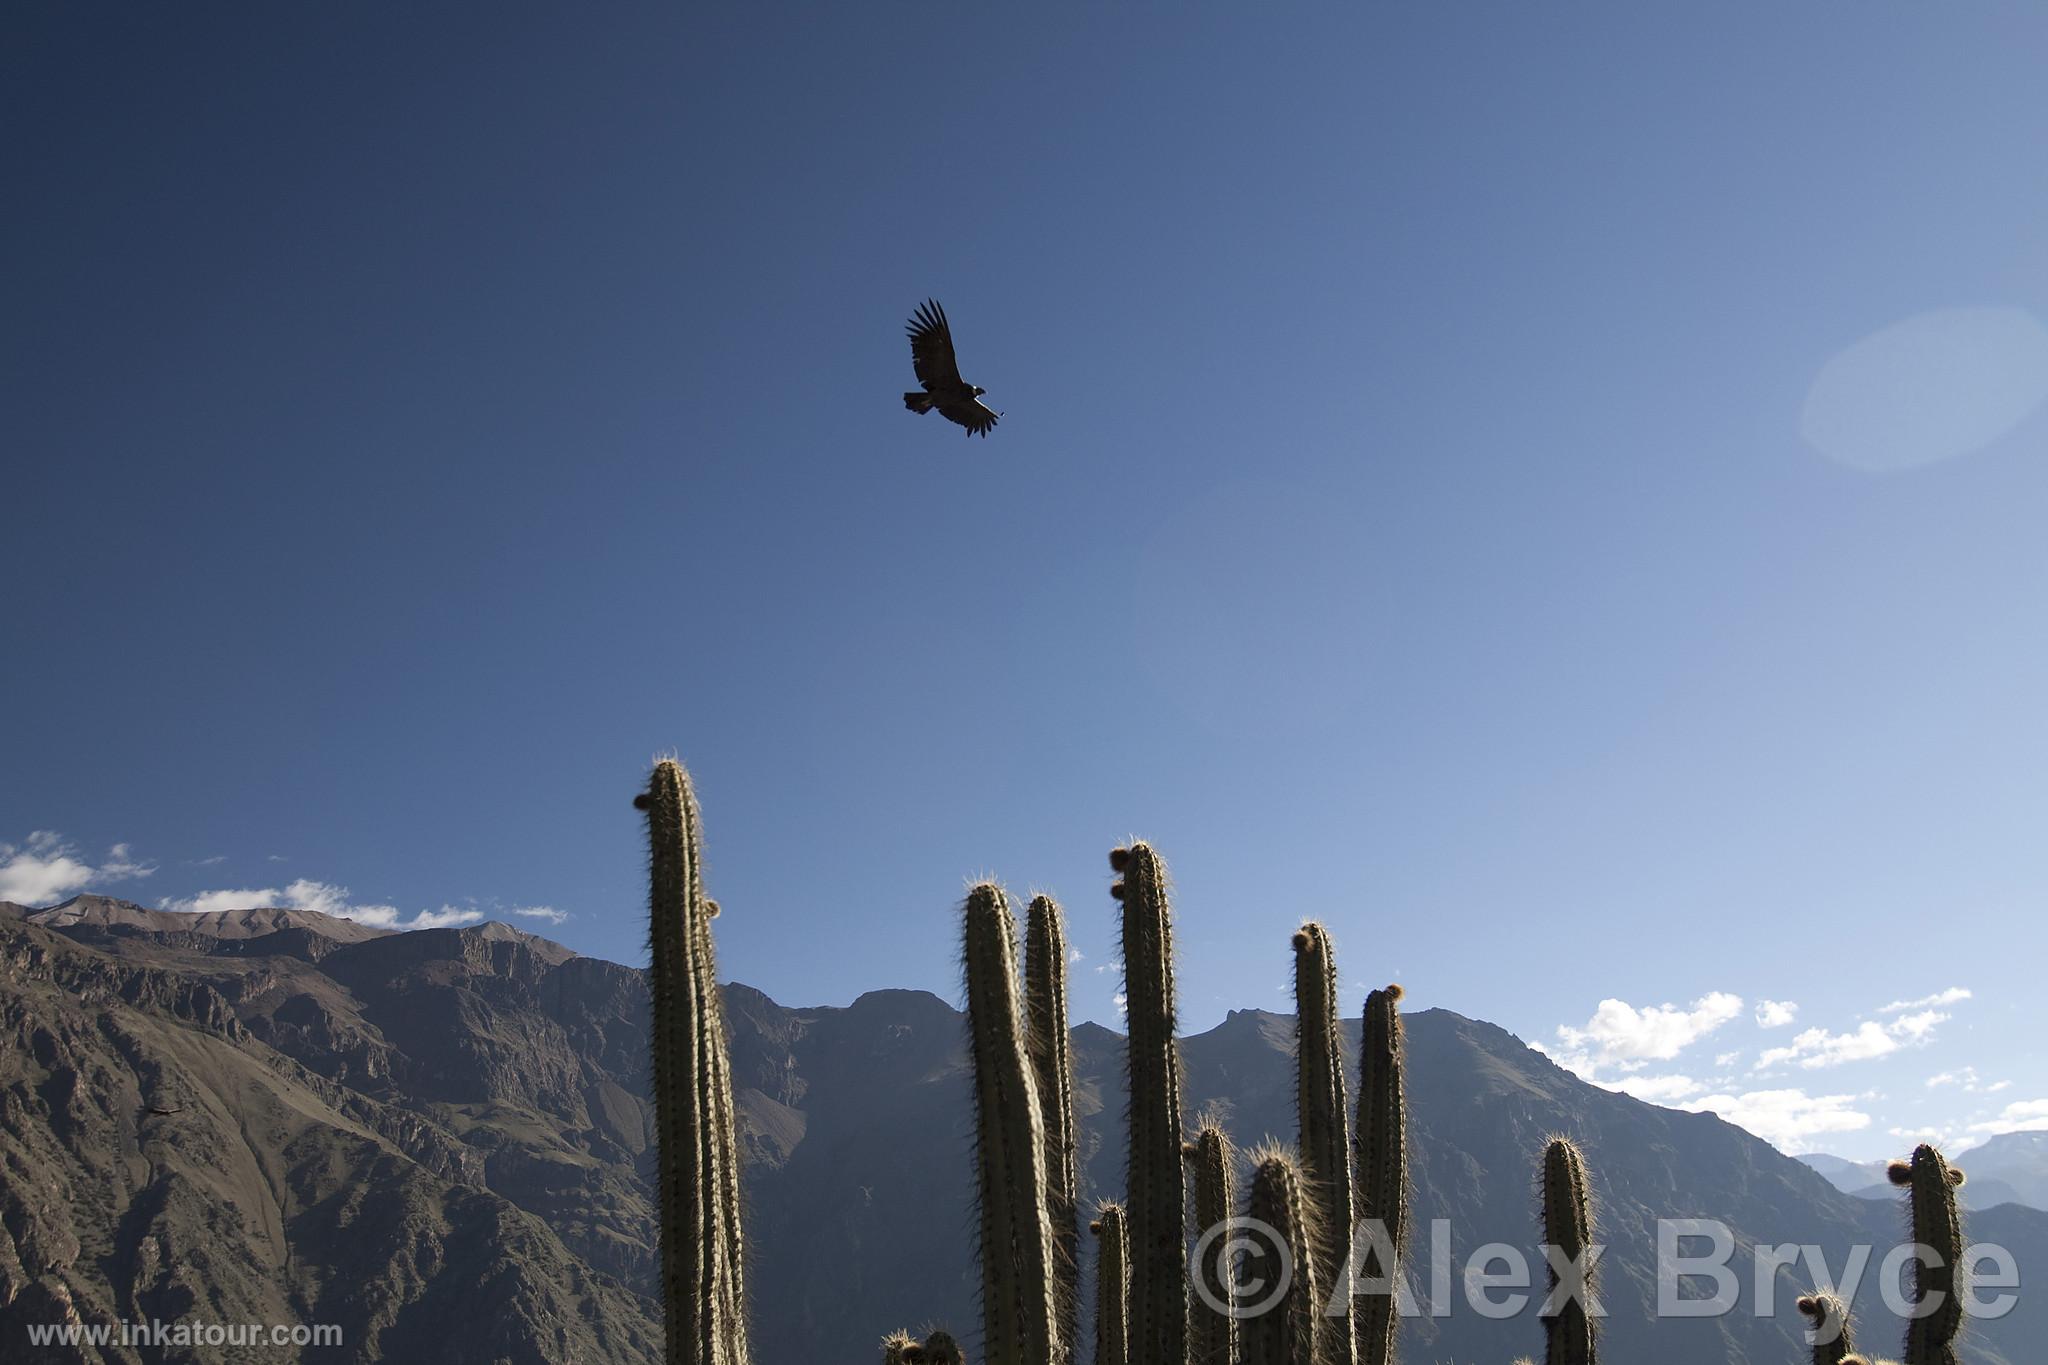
x=1555 y=493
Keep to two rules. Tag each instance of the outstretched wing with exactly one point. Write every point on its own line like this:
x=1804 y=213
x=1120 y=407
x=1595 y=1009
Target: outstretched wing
x=978 y=417
x=931 y=350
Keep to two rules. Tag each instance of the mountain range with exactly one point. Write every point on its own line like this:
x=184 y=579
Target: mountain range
x=439 y=1141
x=2011 y=1168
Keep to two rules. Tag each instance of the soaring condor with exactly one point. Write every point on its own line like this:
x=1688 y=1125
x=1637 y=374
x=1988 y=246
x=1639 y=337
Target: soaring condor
x=931 y=351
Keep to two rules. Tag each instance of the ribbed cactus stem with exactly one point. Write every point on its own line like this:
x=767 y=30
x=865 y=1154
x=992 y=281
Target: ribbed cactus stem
x=1833 y=1343
x=1045 y=1000
x=697 y=1167
x=1154 y=1182
x=1112 y=1286
x=1938 y=1226
x=1212 y=1331
x=1020 y=1320
x=1321 y=1104
x=1288 y=1332
x=1568 y=1226
x=1380 y=1145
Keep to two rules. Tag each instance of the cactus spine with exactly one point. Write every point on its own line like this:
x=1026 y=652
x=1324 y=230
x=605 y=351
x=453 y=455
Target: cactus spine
x=1568 y=1226
x=1381 y=1147
x=1320 y=1103
x=1112 y=1287
x=1832 y=1340
x=1212 y=1333
x=1932 y=1182
x=702 y=1261
x=1045 y=998
x=1020 y=1321
x=1154 y=1182
x=1288 y=1332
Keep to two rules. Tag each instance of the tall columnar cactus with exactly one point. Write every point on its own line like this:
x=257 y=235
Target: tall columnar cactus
x=1833 y=1343
x=697 y=1168
x=1932 y=1182
x=1045 y=1000
x=1212 y=1331
x=1320 y=1102
x=1154 y=1182
x=1019 y=1312
x=1381 y=1147
x=1568 y=1226
x=1290 y=1330
x=1112 y=1287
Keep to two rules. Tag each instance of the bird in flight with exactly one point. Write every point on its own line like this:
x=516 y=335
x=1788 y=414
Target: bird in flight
x=931 y=351
x=162 y=1112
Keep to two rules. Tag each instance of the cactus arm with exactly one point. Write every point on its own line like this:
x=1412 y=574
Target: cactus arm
x=1320 y=1104
x=1833 y=1341
x=1381 y=1149
x=1568 y=1226
x=1290 y=1332
x=1045 y=996
x=1937 y=1225
x=1020 y=1319
x=1212 y=1334
x=1112 y=1287
x=697 y=1167
x=1154 y=1183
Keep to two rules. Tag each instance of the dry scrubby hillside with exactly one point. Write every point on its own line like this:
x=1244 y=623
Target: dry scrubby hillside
x=447 y=1131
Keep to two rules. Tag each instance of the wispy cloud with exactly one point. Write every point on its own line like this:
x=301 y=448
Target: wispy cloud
x=541 y=912
x=1953 y=995
x=1775 y=1013
x=1817 y=1048
x=1622 y=1036
x=1787 y=1119
x=323 y=898
x=47 y=868
x=2018 y=1117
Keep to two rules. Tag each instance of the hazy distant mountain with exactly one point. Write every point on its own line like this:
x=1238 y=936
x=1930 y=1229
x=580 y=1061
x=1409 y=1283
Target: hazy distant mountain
x=2009 y=1169
x=400 y=1132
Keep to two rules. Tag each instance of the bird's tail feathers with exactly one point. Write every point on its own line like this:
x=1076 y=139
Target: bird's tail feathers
x=918 y=402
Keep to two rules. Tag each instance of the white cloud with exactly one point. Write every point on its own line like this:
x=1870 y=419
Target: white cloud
x=322 y=898
x=2018 y=1117
x=1996 y=1086
x=546 y=912
x=46 y=868
x=1622 y=1036
x=1940 y=1137
x=1775 y=1013
x=1121 y=1001
x=1816 y=1047
x=1787 y=1119
x=1727 y=1059
x=1952 y=995
x=1967 y=1075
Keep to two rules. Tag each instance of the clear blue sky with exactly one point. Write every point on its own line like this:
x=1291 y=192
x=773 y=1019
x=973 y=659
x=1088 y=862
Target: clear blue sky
x=1556 y=492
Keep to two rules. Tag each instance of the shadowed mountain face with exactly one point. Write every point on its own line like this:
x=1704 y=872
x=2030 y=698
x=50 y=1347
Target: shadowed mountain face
x=439 y=1141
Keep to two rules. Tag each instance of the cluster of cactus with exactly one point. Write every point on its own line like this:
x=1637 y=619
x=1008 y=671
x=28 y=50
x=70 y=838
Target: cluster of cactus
x=1315 y=1198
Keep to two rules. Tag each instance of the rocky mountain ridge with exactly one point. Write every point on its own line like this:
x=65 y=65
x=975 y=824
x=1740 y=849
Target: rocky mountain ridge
x=397 y=1132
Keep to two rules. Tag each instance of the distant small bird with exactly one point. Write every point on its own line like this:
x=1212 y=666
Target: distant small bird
x=931 y=351
x=166 y=1113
